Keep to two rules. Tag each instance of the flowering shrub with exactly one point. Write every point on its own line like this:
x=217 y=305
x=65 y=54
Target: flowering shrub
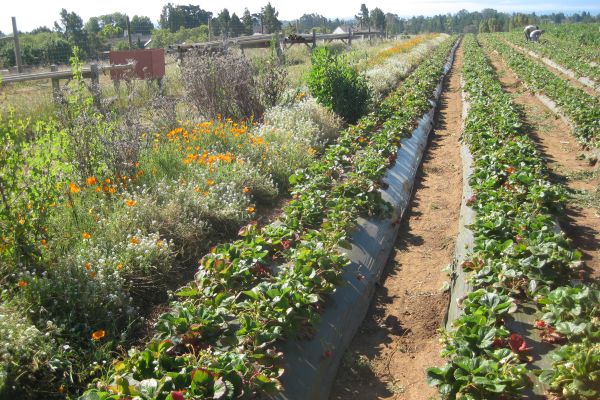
x=221 y=84
x=25 y=353
x=337 y=85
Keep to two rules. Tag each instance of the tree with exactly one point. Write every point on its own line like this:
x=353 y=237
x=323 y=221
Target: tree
x=141 y=24
x=377 y=19
x=224 y=21
x=40 y=29
x=71 y=27
x=116 y=19
x=236 y=28
x=270 y=22
x=248 y=22
x=175 y=17
x=363 y=15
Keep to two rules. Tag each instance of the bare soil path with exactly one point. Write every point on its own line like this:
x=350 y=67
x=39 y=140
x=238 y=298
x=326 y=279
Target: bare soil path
x=581 y=220
x=399 y=339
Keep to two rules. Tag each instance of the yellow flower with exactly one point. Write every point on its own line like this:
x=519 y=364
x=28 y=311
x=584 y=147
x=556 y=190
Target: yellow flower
x=74 y=188
x=119 y=266
x=250 y=209
x=246 y=189
x=210 y=182
x=99 y=334
x=86 y=235
x=131 y=203
x=134 y=240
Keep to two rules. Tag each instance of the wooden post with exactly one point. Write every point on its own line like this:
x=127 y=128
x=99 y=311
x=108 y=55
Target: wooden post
x=278 y=49
x=209 y=34
x=314 y=39
x=55 y=83
x=17 y=45
x=369 y=33
x=129 y=33
x=350 y=36
x=95 y=83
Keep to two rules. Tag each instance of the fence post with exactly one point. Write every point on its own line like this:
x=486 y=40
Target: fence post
x=95 y=83
x=55 y=83
x=129 y=33
x=17 y=45
x=369 y=33
x=314 y=39
x=350 y=37
x=278 y=46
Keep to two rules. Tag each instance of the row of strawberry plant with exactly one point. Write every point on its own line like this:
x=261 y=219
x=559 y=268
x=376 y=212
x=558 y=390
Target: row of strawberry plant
x=517 y=250
x=220 y=338
x=567 y=54
x=581 y=108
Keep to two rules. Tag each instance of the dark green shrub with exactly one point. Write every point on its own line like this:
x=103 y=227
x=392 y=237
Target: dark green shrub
x=337 y=85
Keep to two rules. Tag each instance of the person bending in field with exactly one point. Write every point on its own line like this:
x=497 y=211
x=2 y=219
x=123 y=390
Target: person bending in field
x=528 y=30
x=535 y=35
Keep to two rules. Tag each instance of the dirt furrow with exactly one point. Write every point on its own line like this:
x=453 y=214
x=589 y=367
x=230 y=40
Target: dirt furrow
x=398 y=339
x=563 y=155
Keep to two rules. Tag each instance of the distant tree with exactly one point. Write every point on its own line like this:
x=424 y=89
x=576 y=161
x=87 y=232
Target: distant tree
x=236 y=28
x=93 y=29
x=377 y=19
x=71 y=27
x=40 y=29
x=248 y=22
x=363 y=16
x=224 y=20
x=175 y=17
x=116 y=19
x=141 y=24
x=270 y=22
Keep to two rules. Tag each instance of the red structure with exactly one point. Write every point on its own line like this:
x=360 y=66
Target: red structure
x=149 y=64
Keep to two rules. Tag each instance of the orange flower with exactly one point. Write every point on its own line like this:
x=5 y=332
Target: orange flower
x=210 y=182
x=511 y=170
x=246 y=189
x=43 y=242
x=91 y=180
x=86 y=235
x=131 y=203
x=22 y=283
x=98 y=189
x=88 y=266
x=119 y=266
x=74 y=188
x=134 y=240
x=250 y=209
x=93 y=274
x=99 y=334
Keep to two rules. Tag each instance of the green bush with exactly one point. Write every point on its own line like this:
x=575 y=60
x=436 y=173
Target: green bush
x=337 y=85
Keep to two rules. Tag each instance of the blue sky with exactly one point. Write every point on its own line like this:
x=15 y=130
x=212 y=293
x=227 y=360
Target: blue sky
x=31 y=14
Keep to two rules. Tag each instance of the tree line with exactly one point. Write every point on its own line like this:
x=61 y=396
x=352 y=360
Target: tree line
x=191 y=23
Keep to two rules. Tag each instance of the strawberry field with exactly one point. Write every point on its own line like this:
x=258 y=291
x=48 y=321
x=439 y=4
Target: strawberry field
x=171 y=244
